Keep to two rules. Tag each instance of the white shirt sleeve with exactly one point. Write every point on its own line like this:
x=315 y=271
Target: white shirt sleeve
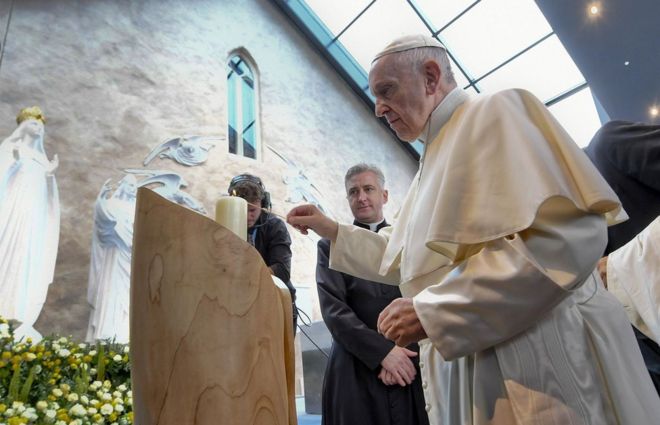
x=513 y=281
x=633 y=277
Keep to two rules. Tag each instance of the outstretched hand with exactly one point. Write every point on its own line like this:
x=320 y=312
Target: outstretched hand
x=399 y=322
x=309 y=217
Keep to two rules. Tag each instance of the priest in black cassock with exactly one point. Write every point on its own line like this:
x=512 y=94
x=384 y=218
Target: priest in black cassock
x=368 y=380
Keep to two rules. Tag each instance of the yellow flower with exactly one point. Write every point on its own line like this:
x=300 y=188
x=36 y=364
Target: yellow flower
x=27 y=356
x=17 y=420
x=6 y=355
x=2 y=408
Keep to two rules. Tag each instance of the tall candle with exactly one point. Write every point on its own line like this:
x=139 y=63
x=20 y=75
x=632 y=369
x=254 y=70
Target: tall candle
x=231 y=212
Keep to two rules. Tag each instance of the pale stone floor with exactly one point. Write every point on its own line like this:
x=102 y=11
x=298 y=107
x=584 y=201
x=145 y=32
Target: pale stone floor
x=303 y=417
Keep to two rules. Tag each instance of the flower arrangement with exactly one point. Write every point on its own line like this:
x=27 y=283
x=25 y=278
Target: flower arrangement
x=58 y=381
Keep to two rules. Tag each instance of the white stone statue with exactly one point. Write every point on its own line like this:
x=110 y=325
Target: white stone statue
x=29 y=222
x=186 y=150
x=108 y=290
x=168 y=184
x=110 y=269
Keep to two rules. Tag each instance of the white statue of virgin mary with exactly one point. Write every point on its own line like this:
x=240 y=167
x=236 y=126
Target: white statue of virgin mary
x=29 y=222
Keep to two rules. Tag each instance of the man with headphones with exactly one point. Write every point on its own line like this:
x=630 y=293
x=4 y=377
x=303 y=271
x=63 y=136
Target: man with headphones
x=266 y=232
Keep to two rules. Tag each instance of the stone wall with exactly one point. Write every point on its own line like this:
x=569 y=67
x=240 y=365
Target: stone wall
x=115 y=78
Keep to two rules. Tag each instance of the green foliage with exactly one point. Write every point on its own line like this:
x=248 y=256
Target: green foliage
x=63 y=381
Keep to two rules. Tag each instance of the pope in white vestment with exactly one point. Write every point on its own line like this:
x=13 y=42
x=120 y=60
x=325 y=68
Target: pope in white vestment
x=496 y=244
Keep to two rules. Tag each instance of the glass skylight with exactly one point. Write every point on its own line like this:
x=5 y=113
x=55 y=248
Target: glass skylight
x=496 y=44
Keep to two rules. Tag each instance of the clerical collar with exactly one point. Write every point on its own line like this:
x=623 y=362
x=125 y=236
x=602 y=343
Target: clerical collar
x=442 y=113
x=374 y=227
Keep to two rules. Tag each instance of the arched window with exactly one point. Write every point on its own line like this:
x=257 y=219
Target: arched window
x=243 y=134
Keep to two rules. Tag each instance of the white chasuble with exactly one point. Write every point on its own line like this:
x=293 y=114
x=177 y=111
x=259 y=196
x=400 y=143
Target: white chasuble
x=496 y=243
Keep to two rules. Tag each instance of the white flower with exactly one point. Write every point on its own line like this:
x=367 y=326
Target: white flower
x=82 y=346
x=92 y=353
x=75 y=422
x=4 y=330
x=78 y=410
x=64 y=352
x=72 y=397
x=116 y=358
x=119 y=408
x=107 y=409
x=92 y=411
x=50 y=413
x=122 y=387
x=116 y=394
x=60 y=423
x=126 y=349
x=107 y=384
x=95 y=385
x=30 y=415
x=84 y=399
x=106 y=396
x=57 y=392
x=92 y=371
x=63 y=340
x=42 y=405
x=9 y=412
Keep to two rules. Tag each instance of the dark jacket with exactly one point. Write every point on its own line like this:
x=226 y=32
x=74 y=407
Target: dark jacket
x=270 y=237
x=627 y=154
x=352 y=392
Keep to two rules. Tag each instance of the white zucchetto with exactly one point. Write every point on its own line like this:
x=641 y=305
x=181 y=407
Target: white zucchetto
x=408 y=42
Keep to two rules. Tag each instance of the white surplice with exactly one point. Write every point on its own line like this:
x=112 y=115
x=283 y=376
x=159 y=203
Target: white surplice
x=496 y=243
x=633 y=277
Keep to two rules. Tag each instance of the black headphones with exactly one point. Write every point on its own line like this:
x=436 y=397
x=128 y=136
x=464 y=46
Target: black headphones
x=265 y=199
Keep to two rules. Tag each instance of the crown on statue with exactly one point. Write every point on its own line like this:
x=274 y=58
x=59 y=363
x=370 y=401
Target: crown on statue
x=33 y=112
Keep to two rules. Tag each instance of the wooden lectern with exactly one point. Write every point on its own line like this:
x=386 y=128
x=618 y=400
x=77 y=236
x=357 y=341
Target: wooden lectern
x=211 y=334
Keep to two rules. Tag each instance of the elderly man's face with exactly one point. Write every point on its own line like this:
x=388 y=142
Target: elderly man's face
x=401 y=96
x=366 y=197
